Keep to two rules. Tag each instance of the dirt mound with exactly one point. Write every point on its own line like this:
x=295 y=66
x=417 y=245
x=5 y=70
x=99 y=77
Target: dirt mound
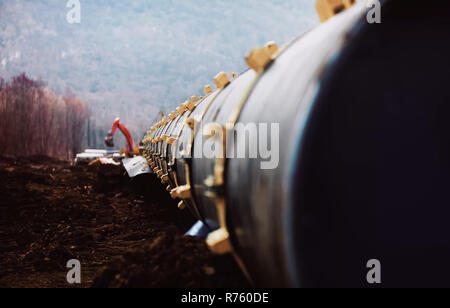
x=171 y=261
x=125 y=233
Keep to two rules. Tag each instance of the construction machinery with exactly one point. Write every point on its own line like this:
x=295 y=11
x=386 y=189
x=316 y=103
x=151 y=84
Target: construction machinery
x=360 y=115
x=109 y=139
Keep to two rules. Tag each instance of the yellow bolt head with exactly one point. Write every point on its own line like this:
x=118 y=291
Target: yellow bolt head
x=221 y=80
x=328 y=8
x=258 y=59
x=219 y=242
x=181 y=110
x=182 y=205
x=191 y=123
x=184 y=192
x=181 y=192
x=271 y=48
x=165 y=179
x=194 y=99
x=349 y=3
x=208 y=90
x=172 y=116
x=171 y=140
x=173 y=194
x=190 y=105
x=234 y=75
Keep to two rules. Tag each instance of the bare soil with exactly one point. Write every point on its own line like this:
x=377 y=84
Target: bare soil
x=126 y=233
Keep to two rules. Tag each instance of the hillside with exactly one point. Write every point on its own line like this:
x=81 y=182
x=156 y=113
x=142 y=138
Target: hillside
x=133 y=58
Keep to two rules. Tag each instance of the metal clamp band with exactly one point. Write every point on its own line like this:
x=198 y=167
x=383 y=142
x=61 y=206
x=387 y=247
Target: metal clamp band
x=159 y=147
x=219 y=241
x=170 y=134
x=195 y=129
x=186 y=165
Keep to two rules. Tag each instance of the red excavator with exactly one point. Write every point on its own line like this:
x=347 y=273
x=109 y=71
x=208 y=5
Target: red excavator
x=109 y=140
x=131 y=149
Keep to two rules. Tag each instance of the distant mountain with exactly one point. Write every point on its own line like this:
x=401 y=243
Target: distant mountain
x=132 y=58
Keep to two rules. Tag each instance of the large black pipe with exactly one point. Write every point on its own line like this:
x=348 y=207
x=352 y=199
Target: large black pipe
x=364 y=161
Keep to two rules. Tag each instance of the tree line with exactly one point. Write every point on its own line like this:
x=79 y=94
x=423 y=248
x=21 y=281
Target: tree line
x=36 y=121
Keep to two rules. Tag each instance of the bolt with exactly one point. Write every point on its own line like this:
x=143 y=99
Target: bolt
x=221 y=80
x=271 y=48
x=182 y=205
x=165 y=179
x=190 y=122
x=208 y=90
x=181 y=110
x=219 y=242
x=190 y=105
x=171 y=140
x=258 y=59
x=159 y=174
x=329 y=8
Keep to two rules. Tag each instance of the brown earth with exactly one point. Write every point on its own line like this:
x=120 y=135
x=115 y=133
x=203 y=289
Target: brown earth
x=126 y=233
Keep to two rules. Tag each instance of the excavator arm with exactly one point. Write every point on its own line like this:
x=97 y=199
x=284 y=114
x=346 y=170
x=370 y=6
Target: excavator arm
x=109 y=140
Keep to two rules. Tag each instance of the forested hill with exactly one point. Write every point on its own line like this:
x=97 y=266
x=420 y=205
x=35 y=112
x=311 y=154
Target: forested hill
x=132 y=58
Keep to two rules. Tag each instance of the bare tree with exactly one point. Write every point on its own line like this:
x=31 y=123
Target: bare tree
x=35 y=121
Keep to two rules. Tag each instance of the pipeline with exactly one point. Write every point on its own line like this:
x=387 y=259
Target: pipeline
x=364 y=151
